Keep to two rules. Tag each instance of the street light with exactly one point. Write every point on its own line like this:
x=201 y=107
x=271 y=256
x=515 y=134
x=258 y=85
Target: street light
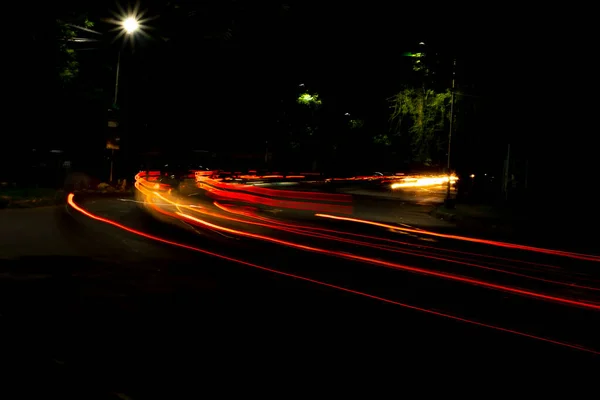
x=449 y=203
x=129 y=25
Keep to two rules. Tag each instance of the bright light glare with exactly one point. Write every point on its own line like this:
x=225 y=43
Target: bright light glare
x=131 y=25
x=423 y=181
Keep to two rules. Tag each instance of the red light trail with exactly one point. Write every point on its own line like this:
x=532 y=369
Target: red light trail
x=377 y=238
x=352 y=257
x=384 y=248
x=586 y=257
x=75 y=206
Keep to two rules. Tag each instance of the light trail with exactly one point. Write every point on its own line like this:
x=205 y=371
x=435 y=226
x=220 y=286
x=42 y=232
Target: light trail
x=374 y=261
x=75 y=206
x=425 y=250
x=417 y=253
x=424 y=181
x=378 y=238
x=379 y=247
x=586 y=257
x=307 y=201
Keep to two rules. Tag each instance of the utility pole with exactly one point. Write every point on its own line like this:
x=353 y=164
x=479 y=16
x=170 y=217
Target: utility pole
x=117 y=79
x=506 y=172
x=266 y=153
x=526 y=173
x=112 y=156
x=450 y=130
x=112 y=153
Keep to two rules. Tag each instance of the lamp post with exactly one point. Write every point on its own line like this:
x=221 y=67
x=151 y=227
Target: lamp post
x=129 y=25
x=448 y=202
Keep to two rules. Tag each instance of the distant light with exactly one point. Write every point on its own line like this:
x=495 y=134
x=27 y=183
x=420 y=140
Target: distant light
x=422 y=181
x=56 y=151
x=131 y=25
x=301 y=85
x=347 y=114
x=422 y=43
x=472 y=175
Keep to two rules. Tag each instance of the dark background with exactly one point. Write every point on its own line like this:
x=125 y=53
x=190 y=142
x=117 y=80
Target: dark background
x=533 y=70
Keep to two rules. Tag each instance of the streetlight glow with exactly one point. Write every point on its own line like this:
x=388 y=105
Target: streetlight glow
x=131 y=25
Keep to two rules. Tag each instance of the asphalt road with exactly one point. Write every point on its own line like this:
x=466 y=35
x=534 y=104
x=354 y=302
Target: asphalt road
x=102 y=311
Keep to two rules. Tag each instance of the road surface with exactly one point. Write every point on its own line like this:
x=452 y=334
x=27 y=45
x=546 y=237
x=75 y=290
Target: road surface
x=119 y=313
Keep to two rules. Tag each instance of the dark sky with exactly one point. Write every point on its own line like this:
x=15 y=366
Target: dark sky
x=353 y=49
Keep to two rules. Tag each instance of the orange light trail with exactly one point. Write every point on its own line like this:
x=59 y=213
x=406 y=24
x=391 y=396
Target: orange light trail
x=374 y=261
x=387 y=264
x=418 y=253
x=76 y=207
x=423 y=181
x=377 y=238
x=586 y=257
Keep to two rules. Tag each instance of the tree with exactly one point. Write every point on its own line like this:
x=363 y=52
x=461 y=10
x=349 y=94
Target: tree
x=422 y=115
x=67 y=65
x=356 y=123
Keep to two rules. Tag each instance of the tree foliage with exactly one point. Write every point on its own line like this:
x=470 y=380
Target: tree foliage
x=356 y=123
x=421 y=114
x=67 y=65
x=311 y=100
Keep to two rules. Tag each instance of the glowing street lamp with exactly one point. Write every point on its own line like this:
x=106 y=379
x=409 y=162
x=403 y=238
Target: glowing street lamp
x=131 y=25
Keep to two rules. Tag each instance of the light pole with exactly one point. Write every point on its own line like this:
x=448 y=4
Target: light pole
x=129 y=25
x=117 y=78
x=450 y=131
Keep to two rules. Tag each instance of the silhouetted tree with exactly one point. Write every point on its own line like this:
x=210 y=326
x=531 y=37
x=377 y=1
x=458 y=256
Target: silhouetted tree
x=422 y=114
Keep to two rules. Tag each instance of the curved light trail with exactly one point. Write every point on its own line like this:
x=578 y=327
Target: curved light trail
x=586 y=257
x=75 y=206
x=423 y=271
